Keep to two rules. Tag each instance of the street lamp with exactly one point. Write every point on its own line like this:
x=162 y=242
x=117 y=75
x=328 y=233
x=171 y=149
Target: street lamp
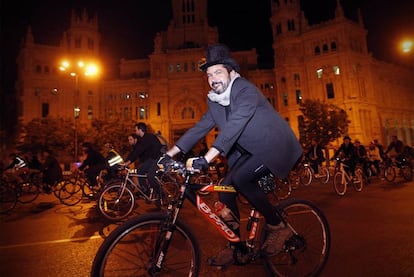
x=84 y=69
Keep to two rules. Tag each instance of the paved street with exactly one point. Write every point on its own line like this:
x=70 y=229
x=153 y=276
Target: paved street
x=372 y=234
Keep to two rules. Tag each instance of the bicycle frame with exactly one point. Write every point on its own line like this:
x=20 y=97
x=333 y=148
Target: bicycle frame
x=191 y=192
x=131 y=173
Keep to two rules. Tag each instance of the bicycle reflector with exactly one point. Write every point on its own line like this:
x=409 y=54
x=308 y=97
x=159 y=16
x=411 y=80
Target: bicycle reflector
x=115 y=160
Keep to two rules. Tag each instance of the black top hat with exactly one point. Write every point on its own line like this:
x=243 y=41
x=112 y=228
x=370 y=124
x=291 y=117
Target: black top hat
x=219 y=54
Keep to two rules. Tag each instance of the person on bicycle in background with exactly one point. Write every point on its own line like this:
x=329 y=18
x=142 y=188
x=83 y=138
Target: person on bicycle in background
x=148 y=151
x=348 y=153
x=395 y=149
x=374 y=156
x=253 y=137
x=315 y=155
x=17 y=169
x=50 y=167
x=361 y=156
x=93 y=163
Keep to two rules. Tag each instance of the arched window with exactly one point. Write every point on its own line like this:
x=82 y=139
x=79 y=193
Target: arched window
x=317 y=50
x=325 y=48
x=187 y=113
x=333 y=46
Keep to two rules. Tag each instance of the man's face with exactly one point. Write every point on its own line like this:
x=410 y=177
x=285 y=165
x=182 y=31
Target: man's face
x=139 y=132
x=218 y=78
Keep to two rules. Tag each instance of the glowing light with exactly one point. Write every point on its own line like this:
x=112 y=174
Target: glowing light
x=407 y=46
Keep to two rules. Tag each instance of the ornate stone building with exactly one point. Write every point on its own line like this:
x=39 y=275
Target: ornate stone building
x=328 y=61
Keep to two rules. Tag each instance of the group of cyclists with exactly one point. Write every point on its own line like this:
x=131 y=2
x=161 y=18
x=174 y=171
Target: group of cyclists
x=354 y=153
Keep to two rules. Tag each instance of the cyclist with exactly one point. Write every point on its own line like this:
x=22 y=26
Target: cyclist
x=255 y=139
x=361 y=156
x=93 y=164
x=148 y=151
x=347 y=151
x=315 y=155
x=52 y=172
x=395 y=147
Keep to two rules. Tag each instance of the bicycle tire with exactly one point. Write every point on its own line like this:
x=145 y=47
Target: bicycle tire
x=359 y=182
x=324 y=175
x=407 y=172
x=71 y=193
x=114 y=206
x=8 y=198
x=339 y=187
x=305 y=175
x=390 y=174
x=130 y=248
x=307 y=251
x=27 y=192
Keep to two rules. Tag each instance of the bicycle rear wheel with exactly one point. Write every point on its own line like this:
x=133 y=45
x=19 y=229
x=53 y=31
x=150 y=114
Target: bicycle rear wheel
x=324 y=175
x=131 y=249
x=340 y=185
x=115 y=203
x=307 y=251
x=407 y=172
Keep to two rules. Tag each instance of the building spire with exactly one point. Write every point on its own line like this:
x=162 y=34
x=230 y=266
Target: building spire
x=339 y=11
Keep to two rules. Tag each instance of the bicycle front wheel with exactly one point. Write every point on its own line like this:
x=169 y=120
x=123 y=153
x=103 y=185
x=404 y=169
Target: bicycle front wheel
x=305 y=175
x=339 y=183
x=116 y=203
x=70 y=193
x=307 y=251
x=27 y=192
x=132 y=249
x=390 y=173
x=358 y=180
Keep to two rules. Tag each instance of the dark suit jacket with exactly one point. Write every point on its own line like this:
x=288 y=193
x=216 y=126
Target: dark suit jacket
x=250 y=123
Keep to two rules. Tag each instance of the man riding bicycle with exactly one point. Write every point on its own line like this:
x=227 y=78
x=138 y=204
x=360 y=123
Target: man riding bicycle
x=253 y=137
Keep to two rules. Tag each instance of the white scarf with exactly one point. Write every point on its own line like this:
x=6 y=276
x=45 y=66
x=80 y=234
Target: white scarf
x=223 y=98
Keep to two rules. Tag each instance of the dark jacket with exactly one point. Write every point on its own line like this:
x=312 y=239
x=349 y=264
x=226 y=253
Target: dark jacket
x=52 y=172
x=94 y=159
x=348 y=152
x=147 y=147
x=315 y=154
x=249 y=123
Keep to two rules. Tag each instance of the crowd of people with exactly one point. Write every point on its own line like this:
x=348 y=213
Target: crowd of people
x=354 y=153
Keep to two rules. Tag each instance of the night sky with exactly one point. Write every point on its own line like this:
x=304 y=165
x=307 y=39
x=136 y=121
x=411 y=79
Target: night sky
x=128 y=28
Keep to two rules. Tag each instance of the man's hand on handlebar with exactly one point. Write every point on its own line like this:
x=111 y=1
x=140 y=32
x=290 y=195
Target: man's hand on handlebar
x=199 y=163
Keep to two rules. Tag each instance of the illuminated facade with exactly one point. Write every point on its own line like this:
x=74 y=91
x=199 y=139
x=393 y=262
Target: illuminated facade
x=328 y=61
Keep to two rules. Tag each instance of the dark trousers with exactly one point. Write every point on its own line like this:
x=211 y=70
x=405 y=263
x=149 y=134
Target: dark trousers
x=243 y=176
x=150 y=168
